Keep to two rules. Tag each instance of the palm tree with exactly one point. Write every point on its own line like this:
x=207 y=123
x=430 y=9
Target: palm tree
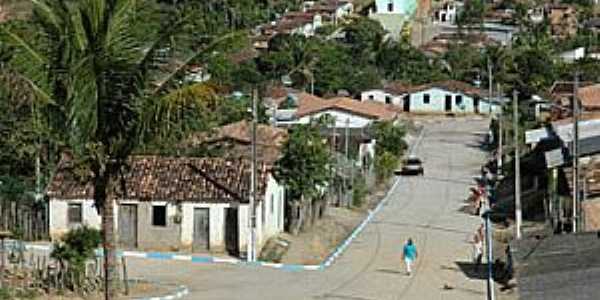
x=94 y=76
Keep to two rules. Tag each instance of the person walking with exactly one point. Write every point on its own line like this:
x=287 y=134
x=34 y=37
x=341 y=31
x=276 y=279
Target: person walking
x=409 y=253
x=477 y=251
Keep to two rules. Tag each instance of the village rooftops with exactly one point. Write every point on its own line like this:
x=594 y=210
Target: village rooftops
x=157 y=178
x=589 y=97
x=242 y=132
x=370 y=109
x=563 y=266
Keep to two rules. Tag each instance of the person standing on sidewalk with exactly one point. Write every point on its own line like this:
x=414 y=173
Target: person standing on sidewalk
x=477 y=251
x=409 y=253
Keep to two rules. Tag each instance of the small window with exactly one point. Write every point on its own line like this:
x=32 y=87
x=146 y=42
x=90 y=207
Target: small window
x=159 y=215
x=272 y=204
x=74 y=213
x=388 y=99
x=426 y=98
x=458 y=99
x=371 y=97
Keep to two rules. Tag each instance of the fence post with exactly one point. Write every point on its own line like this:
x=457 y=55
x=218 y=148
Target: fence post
x=125 y=280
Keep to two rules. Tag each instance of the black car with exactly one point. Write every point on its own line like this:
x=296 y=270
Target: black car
x=412 y=166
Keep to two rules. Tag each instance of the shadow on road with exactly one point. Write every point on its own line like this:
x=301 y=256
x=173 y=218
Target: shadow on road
x=470 y=270
x=390 y=271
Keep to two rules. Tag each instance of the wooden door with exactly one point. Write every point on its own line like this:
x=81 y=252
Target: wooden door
x=201 y=226
x=232 y=231
x=476 y=104
x=448 y=106
x=128 y=225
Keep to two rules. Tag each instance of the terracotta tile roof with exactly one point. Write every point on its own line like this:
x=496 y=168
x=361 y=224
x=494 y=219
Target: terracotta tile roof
x=236 y=139
x=590 y=97
x=450 y=85
x=159 y=178
x=369 y=109
x=397 y=88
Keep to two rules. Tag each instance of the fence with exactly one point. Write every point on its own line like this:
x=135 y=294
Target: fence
x=26 y=220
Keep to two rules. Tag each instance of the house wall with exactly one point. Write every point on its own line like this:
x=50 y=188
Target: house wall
x=58 y=222
x=179 y=236
x=216 y=221
x=380 y=96
x=167 y=237
x=437 y=100
x=343 y=119
x=406 y=7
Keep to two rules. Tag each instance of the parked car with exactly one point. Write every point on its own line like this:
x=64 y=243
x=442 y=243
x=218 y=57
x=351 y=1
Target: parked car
x=412 y=166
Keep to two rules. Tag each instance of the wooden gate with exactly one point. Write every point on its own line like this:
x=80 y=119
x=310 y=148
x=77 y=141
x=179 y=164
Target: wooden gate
x=232 y=231
x=201 y=227
x=128 y=225
x=27 y=220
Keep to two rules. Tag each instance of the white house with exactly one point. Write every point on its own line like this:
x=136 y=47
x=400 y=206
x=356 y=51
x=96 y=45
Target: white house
x=392 y=93
x=449 y=97
x=447 y=12
x=174 y=203
x=392 y=14
x=346 y=112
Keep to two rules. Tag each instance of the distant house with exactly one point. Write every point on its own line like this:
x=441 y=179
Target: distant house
x=562 y=19
x=392 y=14
x=589 y=97
x=174 y=203
x=333 y=9
x=234 y=141
x=346 y=112
x=572 y=55
x=392 y=93
x=446 y=12
x=438 y=97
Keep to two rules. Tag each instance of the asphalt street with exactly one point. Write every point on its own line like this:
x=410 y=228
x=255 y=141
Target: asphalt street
x=425 y=208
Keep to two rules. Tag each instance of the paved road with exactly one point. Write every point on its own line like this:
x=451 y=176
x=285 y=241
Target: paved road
x=424 y=208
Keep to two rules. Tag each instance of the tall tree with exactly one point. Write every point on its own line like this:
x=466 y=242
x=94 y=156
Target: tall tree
x=89 y=71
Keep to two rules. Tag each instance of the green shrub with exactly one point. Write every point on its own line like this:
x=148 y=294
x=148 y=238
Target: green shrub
x=385 y=164
x=359 y=191
x=78 y=245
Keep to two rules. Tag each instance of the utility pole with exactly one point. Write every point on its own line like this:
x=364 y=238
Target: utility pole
x=251 y=257
x=517 y=166
x=500 y=131
x=346 y=140
x=490 y=80
x=575 y=159
x=490 y=258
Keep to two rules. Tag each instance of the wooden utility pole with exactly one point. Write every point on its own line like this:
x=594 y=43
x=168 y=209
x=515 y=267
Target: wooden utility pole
x=518 y=214
x=500 y=132
x=575 y=155
x=490 y=80
x=251 y=256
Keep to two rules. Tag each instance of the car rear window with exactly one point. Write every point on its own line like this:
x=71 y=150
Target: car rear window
x=413 y=161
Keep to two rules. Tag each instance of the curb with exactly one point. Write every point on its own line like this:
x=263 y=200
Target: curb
x=339 y=250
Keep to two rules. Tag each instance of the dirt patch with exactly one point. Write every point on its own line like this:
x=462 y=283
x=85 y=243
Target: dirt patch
x=137 y=290
x=313 y=247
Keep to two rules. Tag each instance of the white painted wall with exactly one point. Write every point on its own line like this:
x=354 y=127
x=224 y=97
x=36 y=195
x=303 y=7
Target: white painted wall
x=216 y=214
x=380 y=96
x=437 y=100
x=272 y=206
x=343 y=119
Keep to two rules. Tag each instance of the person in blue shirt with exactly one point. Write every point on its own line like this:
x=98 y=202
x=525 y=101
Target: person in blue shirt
x=409 y=253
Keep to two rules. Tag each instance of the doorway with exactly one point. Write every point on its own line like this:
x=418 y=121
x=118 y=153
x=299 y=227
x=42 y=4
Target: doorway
x=232 y=231
x=128 y=225
x=201 y=227
x=448 y=106
x=406 y=103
